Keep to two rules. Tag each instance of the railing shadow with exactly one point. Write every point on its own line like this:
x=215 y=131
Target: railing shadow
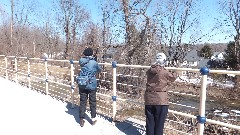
x=75 y=112
x=130 y=128
x=127 y=127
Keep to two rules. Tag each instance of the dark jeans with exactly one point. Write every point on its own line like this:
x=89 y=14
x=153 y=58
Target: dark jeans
x=155 y=118
x=83 y=102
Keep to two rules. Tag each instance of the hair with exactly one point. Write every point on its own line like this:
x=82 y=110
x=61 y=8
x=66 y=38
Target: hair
x=88 y=52
x=160 y=59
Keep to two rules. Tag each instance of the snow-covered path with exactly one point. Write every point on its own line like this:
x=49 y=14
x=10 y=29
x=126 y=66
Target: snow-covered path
x=27 y=112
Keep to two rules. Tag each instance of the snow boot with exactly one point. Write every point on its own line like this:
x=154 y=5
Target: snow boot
x=94 y=121
x=82 y=122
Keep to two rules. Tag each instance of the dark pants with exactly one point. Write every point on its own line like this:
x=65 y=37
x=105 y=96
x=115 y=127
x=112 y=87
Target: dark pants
x=83 y=102
x=155 y=118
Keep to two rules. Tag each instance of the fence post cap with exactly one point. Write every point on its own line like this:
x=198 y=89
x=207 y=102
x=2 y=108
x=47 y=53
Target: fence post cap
x=71 y=61
x=72 y=87
x=204 y=71
x=114 y=64
x=114 y=98
x=201 y=119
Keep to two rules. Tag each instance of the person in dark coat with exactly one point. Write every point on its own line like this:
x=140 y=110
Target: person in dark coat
x=91 y=67
x=156 y=97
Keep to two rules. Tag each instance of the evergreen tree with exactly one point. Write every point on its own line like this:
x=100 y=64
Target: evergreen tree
x=206 y=51
x=230 y=56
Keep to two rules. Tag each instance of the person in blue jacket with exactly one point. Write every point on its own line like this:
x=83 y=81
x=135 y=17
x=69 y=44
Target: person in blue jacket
x=91 y=67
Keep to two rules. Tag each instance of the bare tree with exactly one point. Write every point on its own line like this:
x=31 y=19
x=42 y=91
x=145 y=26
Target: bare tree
x=4 y=34
x=7 y=30
x=22 y=27
x=107 y=37
x=137 y=29
x=92 y=38
x=175 y=18
x=232 y=11
x=72 y=19
x=149 y=29
x=12 y=11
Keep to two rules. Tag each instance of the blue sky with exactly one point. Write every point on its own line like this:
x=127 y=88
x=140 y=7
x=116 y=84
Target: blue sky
x=208 y=15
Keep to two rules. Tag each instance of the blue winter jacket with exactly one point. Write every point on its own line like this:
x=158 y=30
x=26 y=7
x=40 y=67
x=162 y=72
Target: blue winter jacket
x=89 y=65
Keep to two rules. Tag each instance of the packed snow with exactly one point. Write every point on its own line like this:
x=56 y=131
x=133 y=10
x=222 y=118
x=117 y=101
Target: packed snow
x=210 y=81
x=27 y=112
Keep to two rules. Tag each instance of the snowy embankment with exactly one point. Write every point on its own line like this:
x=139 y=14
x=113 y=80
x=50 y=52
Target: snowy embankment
x=27 y=112
x=210 y=81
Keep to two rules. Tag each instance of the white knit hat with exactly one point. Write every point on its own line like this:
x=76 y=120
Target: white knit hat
x=161 y=59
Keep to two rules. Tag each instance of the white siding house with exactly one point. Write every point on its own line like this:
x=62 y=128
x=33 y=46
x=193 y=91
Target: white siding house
x=217 y=56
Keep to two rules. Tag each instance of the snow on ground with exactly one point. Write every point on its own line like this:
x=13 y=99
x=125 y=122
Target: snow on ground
x=27 y=112
x=210 y=81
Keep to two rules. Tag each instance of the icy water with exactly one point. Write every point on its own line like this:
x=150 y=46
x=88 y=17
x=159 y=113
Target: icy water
x=212 y=103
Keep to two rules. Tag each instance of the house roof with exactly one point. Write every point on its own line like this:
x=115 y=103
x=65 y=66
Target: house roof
x=193 y=56
x=203 y=62
x=216 y=53
x=215 y=56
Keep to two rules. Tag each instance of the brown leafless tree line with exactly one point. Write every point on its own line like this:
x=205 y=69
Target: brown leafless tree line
x=152 y=26
x=135 y=30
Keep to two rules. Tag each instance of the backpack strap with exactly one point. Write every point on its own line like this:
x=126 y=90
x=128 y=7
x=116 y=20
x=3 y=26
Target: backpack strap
x=88 y=73
x=85 y=63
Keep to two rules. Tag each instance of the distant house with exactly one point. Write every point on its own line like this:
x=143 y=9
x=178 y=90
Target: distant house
x=44 y=56
x=217 y=56
x=107 y=56
x=193 y=60
x=53 y=55
x=217 y=60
